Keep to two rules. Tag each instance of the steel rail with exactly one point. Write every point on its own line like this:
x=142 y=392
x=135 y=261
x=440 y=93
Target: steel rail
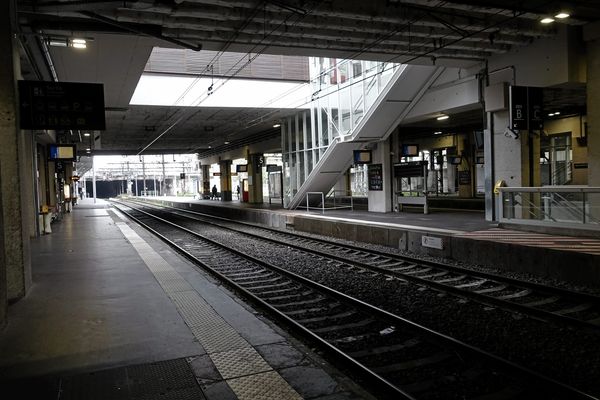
x=547 y=384
x=387 y=388
x=479 y=297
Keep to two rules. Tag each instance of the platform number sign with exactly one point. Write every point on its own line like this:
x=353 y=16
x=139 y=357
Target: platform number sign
x=526 y=108
x=518 y=107
x=535 y=107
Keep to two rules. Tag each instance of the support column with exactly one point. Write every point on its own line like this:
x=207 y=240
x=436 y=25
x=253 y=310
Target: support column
x=514 y=160
x=12 y=180
x=225 y=168
x=255 y=182
x=381 y=200
x=205 y=180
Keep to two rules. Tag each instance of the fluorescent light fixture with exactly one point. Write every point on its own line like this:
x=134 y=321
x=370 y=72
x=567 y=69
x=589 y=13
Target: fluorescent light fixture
x=557 y=113
x=88 y=149
x=437 y=133
x=276 y=125
x=443 y=117
x=226 y=142
x=547 y=20
x=79 y=43
x=57 y=42
x=86 y=134
x=562 y=15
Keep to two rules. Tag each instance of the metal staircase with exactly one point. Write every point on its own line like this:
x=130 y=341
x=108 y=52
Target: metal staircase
x=408 y=84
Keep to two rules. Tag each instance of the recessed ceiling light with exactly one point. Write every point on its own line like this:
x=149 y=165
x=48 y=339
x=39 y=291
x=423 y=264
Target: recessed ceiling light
x=276 y=125
x=226 y=142
x=443 y=117
x=557 y=113
x=547 y=20
x=86 y=134
x=550 y=114
x=88 y=149
x=437 y=133
x=562 y=15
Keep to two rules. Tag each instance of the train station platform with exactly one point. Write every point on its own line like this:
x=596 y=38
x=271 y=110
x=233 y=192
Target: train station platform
x=463 y=236
x=114 y=313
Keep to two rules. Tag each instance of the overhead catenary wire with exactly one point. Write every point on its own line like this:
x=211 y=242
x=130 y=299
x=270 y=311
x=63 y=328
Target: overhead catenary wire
x=198 y=101
x=425 y=53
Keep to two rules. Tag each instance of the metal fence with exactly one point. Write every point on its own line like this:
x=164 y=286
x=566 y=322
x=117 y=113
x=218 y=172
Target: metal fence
x=569 y=206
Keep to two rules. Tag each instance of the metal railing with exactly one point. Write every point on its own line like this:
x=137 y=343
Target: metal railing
x=329 y=201
x=569 y=206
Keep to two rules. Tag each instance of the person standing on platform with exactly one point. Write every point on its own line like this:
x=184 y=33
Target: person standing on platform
x=238 y=191
x=214 y=192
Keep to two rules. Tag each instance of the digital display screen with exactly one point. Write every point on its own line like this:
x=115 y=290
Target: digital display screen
x=410 y=150
x=362 y=156
x=241 y=168
x=61 y=152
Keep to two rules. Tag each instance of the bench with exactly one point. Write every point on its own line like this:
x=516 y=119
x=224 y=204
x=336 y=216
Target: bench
x=413 y=201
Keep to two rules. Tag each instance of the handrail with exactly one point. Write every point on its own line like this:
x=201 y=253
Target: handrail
x=323 y=204
x=552 y=208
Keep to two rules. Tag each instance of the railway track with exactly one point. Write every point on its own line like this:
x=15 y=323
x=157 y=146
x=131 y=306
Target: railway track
x=398 y=358
x=535 y=300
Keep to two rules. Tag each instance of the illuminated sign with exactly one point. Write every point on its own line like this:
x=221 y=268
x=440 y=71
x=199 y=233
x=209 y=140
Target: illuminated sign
x=61 y=152
x=362 y=156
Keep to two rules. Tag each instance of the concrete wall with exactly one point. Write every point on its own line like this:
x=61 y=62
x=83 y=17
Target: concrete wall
x=574 y=267
x=553 y=61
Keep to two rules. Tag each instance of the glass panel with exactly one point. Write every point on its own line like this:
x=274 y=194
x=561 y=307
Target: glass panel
x=284 y=136
x=309 y=161
x=324 y=123
x=293 y=131
x=345 y=110
x=370 y=90
x=334 y=115
x=300 y=166
x=309 y=130
x=300 y=131
x=551 y=207
x=357 y=104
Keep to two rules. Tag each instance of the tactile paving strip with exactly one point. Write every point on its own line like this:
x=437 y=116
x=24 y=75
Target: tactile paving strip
x=247 y=373
x=265 y=386
x=240 y=362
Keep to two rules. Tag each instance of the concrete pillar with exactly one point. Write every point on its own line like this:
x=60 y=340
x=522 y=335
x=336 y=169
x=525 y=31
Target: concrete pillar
x=12 y=179
x=255 y=181
x=205 y=180
x=381 y=200
x=225 y=168
x=515 y=160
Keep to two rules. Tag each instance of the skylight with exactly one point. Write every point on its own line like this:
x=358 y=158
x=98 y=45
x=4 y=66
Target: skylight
x=172 y=90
